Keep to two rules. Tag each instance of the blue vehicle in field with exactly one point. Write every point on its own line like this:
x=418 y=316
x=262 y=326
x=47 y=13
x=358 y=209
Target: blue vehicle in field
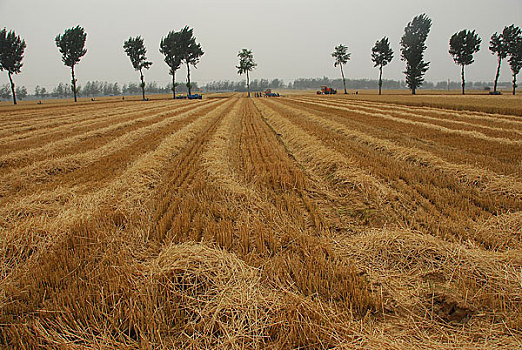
x=269 y=93
x=195 y=97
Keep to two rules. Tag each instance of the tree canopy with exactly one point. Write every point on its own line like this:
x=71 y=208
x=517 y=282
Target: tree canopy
x=12 y=49
x=71 y=45
x=171 y=47
x=191 y=51
x=515 y=56
x=135 y=49
x=463 y=45
x=382 y=54
x=412 y=50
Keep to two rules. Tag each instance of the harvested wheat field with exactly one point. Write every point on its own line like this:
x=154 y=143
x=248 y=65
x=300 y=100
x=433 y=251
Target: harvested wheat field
x=304 y=222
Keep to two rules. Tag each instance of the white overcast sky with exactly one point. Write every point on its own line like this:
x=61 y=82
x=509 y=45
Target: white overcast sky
x=290 y=38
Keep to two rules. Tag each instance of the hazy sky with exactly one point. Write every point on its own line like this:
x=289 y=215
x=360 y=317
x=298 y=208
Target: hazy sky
x=290 y=38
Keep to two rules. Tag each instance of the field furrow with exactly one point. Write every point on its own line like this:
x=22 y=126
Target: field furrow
x=488 y=131
x=425 y=197
x=47 y=125
x=470 y=152
x=92 y=137
x=373 y=137
x=84 y=167
x=484 y=118
x=475 y=135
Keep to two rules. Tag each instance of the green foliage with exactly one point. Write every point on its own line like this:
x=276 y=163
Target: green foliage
x=12 y=49
x=382 y=54
x=412 y=50
x=515 y=59
x=72 y=45
x=171 y=47
x=497 y=45
x=463 y=45
x=511 y=35
x=136 y=51
x=341 y=55
x=191 y=51
x=246 y=61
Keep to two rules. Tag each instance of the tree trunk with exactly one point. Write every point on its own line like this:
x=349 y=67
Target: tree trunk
x=248 y=84
x=497 y=76
x=73 y=84
x=514 y=83
x=188 y=79
x=344 y=82
x=142 y=86
x=413 y=90
x=380 y=79
x=173 y=85
x=12 y=87
x=463 y=81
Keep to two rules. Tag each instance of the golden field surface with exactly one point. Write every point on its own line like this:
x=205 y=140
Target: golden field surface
x=310 y=222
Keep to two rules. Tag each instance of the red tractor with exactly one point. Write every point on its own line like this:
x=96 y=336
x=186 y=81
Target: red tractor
x=325 y=90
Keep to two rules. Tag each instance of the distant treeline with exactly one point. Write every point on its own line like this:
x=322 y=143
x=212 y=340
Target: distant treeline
x=240 y=86
x=103 y=88
x=91 y=89
x=316 y=83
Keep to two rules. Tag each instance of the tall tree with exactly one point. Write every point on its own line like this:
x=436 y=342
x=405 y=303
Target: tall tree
x=463 y=45
x=342 y=56
x=191 y=52
x=136 y=51
x=499 y=45
x=11 y=54
x=72 y=47
x=171 y=48
x=412 y=50
x=512 y=37
x=515 y=59
x=382 y=54
x=246 y=64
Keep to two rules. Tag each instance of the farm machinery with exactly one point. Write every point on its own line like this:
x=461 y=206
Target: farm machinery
x=269 y=93
x=190 y=97
x=325 y=90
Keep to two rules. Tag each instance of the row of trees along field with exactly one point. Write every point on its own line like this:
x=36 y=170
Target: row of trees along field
x=181 y=48
x=177 y=47
x=90 y=89
x=103 y=88
x=463 y=45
